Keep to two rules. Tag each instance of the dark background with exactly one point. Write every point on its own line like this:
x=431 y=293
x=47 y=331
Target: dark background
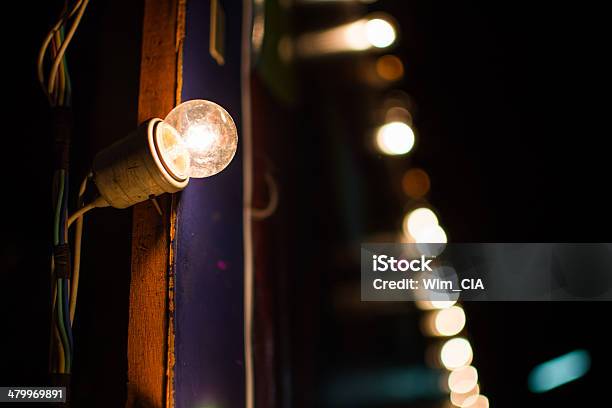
x=510 y=111
x=509 y=127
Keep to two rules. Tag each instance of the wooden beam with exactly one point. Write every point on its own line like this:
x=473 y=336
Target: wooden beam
x=149 y=337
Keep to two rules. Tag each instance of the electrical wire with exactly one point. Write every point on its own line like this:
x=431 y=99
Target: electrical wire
x=61 y=325
x=63 y=238
x=58 y=89
x=61 y=356
x=58 y=209
x=45 y=45
x=62 y=50
x=64 y=349
x=57 y=363
x=64 y=313
x=49 y=37
x=76 y=264
x=62 y=73
x=99 y=202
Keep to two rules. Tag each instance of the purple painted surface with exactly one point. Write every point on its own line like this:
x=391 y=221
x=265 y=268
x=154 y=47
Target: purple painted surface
x=209 y=370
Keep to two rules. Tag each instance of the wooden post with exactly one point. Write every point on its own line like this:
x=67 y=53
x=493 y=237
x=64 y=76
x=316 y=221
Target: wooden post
x=149 y=331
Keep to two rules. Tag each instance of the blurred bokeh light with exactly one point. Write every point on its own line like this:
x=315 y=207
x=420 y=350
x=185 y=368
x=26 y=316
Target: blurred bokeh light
x=456 y=353
x=416 y=183
x=395 y=138
x=418 y=221
x=380 y=32
x=389 y=67
x=462 y=380
x=466 y=399
x=444 y=322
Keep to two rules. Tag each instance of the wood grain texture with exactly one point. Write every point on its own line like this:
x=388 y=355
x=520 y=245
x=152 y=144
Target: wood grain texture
x=179 y=40
x=149 y=316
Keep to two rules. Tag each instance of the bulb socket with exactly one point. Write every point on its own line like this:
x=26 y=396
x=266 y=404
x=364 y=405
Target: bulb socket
x=132 y=169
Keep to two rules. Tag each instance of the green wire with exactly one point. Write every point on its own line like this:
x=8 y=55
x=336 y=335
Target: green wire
x=68 y=90
x=57 y=230
x=60 y=299
x=60 y=319
x=68 y=98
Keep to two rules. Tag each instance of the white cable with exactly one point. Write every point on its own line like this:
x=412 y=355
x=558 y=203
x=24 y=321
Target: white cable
x=76 y=264
x=263 y=213
x=79 y=213
x=47 y=41
x=62 y=50
x=97 y=203
x=247 y=193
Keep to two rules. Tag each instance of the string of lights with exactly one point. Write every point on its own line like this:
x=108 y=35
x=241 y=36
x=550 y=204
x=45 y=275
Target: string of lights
x=445 y=319
x=396 y=137
x=442 y=319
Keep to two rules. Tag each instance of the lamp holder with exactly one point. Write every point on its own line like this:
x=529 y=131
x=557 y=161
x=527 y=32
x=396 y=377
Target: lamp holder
x=132 y=170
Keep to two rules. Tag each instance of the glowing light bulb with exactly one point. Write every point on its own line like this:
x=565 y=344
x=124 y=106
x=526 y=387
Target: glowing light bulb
x=418 y=221
x=463 y=379
x=456 y=353
x=389 y=68
x=450 y=321
x=444 y=322
x=421 y=225
x=374 y=31
x=207 y=135
x=416 y=183
x=434 y=234
x=479 y=402
x=395 y=138
x=380 y=33
x=467 y=399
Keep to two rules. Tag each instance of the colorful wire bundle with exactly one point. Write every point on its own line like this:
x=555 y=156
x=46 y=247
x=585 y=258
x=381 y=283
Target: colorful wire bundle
x=57 y=85
x=58 y=89
x=62 y=328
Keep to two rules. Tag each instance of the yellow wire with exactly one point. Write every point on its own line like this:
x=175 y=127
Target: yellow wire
x=62 y=50
x=58 y=341
x=59 y=98
x=47 y=41
x=60 y=351
x=43 y=51
x=52 y=94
